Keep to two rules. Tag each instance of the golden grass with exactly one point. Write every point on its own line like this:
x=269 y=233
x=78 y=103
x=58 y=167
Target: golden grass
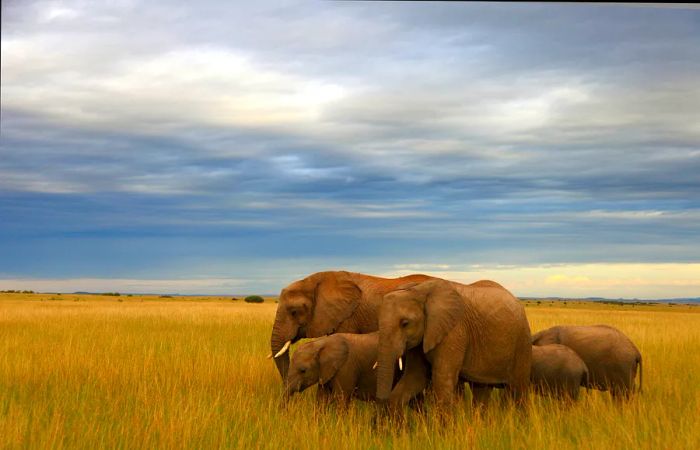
x=94 y=372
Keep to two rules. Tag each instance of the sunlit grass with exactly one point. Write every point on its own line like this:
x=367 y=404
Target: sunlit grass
x=96 y=372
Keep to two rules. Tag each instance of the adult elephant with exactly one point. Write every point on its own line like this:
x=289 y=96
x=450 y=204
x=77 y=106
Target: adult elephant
x=611 y=357
x=329 y=302
x=476 y=332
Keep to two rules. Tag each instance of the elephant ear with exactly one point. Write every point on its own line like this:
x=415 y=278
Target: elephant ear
x=444 y=308
x=331 y=357
x=335 y=299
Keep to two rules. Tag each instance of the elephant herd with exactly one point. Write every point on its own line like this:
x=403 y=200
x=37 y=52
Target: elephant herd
x=393 y=339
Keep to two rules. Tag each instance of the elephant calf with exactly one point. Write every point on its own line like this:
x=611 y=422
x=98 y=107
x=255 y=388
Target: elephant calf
x=342 y=364
x=558 y=370
x=610 y=356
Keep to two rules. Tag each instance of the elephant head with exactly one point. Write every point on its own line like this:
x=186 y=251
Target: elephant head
x=547 y=337
x=415 y=313
x=315 y=362
x=312 y=307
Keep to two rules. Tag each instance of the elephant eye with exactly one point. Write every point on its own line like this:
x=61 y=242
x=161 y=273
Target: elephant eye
x=404 y=323
x=302 y=369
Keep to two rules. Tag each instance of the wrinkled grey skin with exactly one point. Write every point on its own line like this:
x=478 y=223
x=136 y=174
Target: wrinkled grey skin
x=557 y=370
x=477 y=332
x=610 y=356
x=342 y=366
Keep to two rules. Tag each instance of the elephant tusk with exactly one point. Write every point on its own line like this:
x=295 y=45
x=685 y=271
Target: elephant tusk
x=376 y=363
x=400 y=363
x=284 y=349
x=269 y=355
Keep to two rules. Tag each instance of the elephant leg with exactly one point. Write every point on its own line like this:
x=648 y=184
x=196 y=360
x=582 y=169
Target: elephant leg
x=444 y=384
x=518 y=395
x=417 y=403
x=342 y=390
x=518 y=389
x=480 y=395
x=324 y=395
x=447 y=359
x=459 y=389
x=573 y=389
x=343 y=401
x=620 y=393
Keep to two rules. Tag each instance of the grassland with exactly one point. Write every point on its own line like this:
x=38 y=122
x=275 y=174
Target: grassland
x=79 y=371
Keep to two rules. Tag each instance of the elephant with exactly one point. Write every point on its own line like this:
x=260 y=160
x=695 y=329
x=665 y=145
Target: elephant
x=558 y=370
x=477 y=333
x=343 y=365
x=328 y=302
x=610 y=356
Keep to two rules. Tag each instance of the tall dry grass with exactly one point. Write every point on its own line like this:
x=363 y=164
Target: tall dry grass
x=99 y=373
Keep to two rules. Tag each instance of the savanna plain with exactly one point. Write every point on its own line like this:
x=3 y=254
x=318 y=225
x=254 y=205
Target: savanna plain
x=83 y=371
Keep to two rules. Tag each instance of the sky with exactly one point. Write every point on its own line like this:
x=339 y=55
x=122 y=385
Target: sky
x=234 y=147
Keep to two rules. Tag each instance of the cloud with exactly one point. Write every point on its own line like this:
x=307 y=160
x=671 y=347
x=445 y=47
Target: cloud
x=377 y=133
x=402 y=267
x=566 y=280
x=194 y=86
x=125 y=286
x=646 y=281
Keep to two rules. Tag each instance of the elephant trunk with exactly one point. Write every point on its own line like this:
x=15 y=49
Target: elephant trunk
x=282 y=361
x=386 y=360
x=288 y=391
x=283 y=331
x=385 y=378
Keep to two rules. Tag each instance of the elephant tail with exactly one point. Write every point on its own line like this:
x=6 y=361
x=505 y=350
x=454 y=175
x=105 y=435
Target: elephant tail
x=639 y=362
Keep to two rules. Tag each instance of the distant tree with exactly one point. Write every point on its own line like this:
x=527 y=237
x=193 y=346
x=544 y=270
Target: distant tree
x=254 y=299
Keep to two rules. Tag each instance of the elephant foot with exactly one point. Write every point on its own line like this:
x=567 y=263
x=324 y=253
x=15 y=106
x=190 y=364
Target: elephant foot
x=480 y=396
x=517 y=397
x=621 y=395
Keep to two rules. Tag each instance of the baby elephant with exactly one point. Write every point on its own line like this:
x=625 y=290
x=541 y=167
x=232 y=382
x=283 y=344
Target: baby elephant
x=558 y=370
x=610 y=356
x=341 y=364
